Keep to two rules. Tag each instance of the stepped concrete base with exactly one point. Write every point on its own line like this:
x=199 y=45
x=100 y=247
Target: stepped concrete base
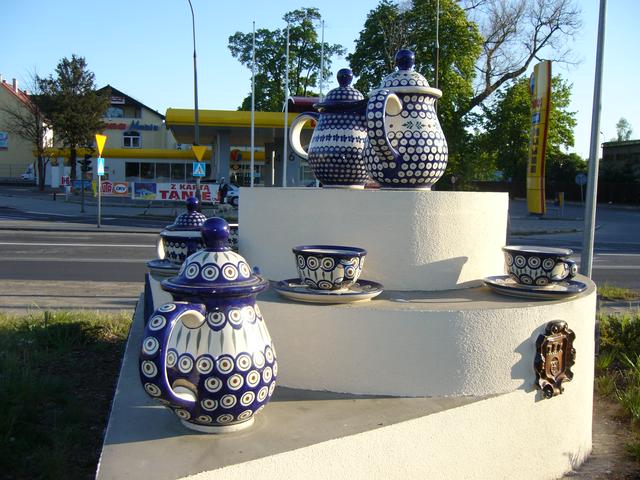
x=416 y=240
x=319 y=435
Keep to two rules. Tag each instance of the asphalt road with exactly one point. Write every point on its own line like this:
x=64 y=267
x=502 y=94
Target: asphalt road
x=76 y=256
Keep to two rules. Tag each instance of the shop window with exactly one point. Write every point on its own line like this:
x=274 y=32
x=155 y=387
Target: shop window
x=163 y=172
x=177 y=172
x=131 y=140
x=132 y=171
x=147 y=171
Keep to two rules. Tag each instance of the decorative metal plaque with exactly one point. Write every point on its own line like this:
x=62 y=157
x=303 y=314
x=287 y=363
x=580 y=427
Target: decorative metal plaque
x=555 y=356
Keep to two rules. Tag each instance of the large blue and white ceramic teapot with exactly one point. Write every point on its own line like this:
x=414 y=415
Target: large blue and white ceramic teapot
x=335 y=153
x=208 y=355
x=406 y=147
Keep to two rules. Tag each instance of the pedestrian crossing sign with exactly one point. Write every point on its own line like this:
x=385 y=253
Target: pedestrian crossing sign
x=100 y=166
x=198 y=169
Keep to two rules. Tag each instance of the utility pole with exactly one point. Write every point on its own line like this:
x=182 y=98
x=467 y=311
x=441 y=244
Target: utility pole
x=586 y=258
x=196 y=126
x=286 y=117
x=253 y=105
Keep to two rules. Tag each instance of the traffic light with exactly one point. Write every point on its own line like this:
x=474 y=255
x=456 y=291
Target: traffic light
x=85 y=165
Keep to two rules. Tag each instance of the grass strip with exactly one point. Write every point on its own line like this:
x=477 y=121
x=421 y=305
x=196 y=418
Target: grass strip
x=618 y=367
x=611 y=292
x=57 y=377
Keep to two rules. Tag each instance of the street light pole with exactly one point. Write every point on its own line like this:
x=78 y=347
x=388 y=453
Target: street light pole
x=586 y=257
x=286 y=116
x=196 y=126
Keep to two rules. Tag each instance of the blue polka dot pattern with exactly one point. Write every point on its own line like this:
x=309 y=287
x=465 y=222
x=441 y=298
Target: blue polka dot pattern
x=336 y=149
x=337 y=145
x=408 y=149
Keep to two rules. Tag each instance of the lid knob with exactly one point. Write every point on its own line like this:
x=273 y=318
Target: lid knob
x=215 y=233
x=405 y=59
x=193 y=204
x=345 y=76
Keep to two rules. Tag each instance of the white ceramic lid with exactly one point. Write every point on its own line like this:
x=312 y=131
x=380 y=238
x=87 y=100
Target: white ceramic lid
x=406 y=79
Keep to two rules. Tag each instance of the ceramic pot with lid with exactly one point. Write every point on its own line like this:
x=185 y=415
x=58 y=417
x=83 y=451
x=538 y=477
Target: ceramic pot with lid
x=406 y=148
x=179 y=240
x=335 y=153
x=208 y=354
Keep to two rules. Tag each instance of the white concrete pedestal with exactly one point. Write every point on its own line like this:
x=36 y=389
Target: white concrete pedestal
x=428 y=380
x=416 y=240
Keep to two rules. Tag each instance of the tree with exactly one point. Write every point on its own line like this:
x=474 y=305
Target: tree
x=516 y=33
x=483 y=45
x=304 y=59
x=507 y=126
x=26 y=120
x=624 y=130
x=73 y=105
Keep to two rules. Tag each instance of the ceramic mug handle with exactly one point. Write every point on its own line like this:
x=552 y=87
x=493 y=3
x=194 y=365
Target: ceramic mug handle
x=153 y=368
x=381 y=104
x=570 y=271
x=296 y=129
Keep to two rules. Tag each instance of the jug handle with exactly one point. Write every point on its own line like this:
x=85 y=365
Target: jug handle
x=154 y=345
x=380 y=104
x=296 y=129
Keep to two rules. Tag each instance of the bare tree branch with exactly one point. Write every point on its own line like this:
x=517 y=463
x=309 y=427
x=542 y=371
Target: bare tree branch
x=517 y=33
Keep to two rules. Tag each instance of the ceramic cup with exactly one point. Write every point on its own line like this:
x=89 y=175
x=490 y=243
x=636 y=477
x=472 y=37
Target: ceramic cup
x=329 y=267
x=538 y=266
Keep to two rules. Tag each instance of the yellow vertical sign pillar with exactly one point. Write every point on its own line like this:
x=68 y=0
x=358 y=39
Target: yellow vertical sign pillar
x=540 y=88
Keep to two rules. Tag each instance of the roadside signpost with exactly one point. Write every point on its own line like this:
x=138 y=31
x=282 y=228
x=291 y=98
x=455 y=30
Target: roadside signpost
x=65 y=181
x=100 y=141
x=198 y=167
x=581 y=179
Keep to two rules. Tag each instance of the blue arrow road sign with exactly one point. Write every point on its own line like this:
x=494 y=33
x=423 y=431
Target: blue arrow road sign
x=198 y=169
x=100 y=166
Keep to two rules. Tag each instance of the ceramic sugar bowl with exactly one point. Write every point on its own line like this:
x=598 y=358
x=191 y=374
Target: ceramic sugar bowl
x=407 y=148
x=337 y=145
x=208 y=355
x=178 y=240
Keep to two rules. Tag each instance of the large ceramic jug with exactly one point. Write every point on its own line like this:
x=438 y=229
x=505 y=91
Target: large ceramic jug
x=337 y=145
x=407 y=148
x=208 y=355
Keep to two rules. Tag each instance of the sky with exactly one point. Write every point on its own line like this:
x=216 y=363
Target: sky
x=145 y=49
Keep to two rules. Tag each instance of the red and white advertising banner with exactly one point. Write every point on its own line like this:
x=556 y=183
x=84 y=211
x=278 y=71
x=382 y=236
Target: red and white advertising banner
x=172 y=191
x=115 y=189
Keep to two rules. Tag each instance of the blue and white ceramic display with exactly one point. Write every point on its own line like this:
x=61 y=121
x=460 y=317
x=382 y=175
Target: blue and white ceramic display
x=505 y=285
x=407 y=148
x=337 y=145
x=361 y=291
x=208 y=354
x=329 y=267
x=182 y=238
x=540 y=266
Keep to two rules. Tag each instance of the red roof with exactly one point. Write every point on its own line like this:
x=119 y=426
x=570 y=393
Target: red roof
x=19 y=94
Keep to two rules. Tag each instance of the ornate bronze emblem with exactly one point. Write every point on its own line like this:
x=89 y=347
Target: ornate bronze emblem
x=555 y=356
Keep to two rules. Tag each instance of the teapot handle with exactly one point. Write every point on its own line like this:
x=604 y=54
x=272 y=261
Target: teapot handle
x=153 y=355
x=296 y=129
x=380 y=104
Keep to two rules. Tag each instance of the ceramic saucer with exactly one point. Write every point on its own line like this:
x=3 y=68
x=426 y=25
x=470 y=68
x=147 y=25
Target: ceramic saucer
x=362 y=290
x=505 y=285
x=163 y=268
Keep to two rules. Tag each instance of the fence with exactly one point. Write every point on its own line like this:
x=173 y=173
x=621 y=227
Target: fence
x=12 y=170
x=620 y=193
